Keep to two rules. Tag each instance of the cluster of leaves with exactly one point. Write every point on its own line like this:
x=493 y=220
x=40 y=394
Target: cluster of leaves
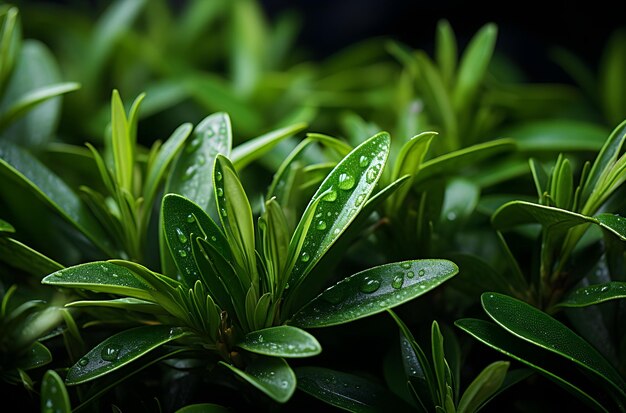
x=186 y=266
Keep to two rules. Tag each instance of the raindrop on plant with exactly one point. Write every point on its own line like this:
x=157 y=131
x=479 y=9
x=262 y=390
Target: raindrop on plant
x=360 y=199
x=58 y=274
x=83 y=361
x=321 y=225
x=110 y=353
x=193 y=145
x=189 y=172
x=190 y=218
x=451 y=216
x=346 y=181
x=218 y=176
x=213 y=238
x=330 y=196
x=369 y=285
x=223 y=212
x=397 y=281
x=220 y=192
x=334 y=295
x=364 y=161
x=304 y=257
x=201 y=160
x=181 y=236
x=421 y=273
x=182 y=253
x=405 y=265
x=410 y=274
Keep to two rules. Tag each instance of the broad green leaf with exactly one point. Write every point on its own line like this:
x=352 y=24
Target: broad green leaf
x=347 y=391
x=5 y=227
x=36 y=356
x=119 y=350
x=247 y=152
x=343 y=194
x=21 y=256
x=453 y=162
x=54 y=397
x=203 y=407
x=236 y=217
x=281 y=341
x=473 y=66
x=130 y=304
x=101 y=277
x=540 y=329
x=558 y=135
x=166 y=154
x=483 y=387
x=33 y=98
x=20 y=166
x=615 y=224
x=595 y=294
x=182 y=218
x=193 y=167
x=373 y=291
x=460 y=200
x=271 y=375
x=446 y=52
x=496 y=338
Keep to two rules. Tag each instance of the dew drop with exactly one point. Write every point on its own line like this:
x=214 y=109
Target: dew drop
x=346 y=181
x=330 y=196
x=218 y=176
x=372 y=173
x=369 y=285
x=364 y=161
x=181 y=236
x=410 y=274
x=114 y=275
x=213 y=238
x=189 y=172
x=405 y=265
x=201 y=160
x=451 y=216
x=360 y=199
x=182 y=253
x=223 y=212
x=305 y=257
x=110 y=353
x=421 y=273
x=321 y=225
x=334 y=295
x=284 y=384
x=193 y=145
x=260 y=338
x=397 y=281
x=49 y=404
x=209 y=132
x=58 y=274
x=190 y=218
x=83 y=361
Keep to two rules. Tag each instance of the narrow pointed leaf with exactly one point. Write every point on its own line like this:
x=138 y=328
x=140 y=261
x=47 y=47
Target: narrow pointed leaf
x=119 y=350
x=25 y=258
x=203 y=408
x=245 y=153
x=517 y=213
x=346 y=189
x=373 y=291
x=54 y=397
x=123 y=145
x=595 y=294
x=498 y=339
x=439 y=361
x=101 y=277
x=347 y=391
x=558 y=135
x=191 y=175
x=483 y=387
x=279 y=386
x=36 y=356
x=281 y=341
x=540 y=329
x=130 y=304
x=5 y=227
x=446 y=51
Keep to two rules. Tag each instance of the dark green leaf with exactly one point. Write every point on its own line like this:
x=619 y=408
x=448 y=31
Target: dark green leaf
x=439 y=362
x=129 y=304
x=540 y=329
x=25 y=258
x=203 y=408
x=347 y=391
x=594 y=294
x=36 y=356
x=615 y=224
x=54 y=397
x=483 y=387
x=281 y=341
x=373 y=291
x=612 y=82
x=119 y=350
x=271 y=375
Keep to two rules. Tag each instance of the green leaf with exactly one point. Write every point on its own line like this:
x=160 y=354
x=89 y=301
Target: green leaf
x=123 y=144
x=36 y=356
x=245 y=153
x=129 y=304
x=439 y=362
x=54 y=397
x=275 y=242
x=473 y=66
x=281 y=341
x=182 y=218
x=373 y=291
x=5 y=227
x=191 y=175
x=347 y=391
x=483 y=387
x=496 y=338
x=540 y=329
x=558 y=135
x=33 y=98
x=612 y=82
x=595 y=294
x=236 y=217
x=343 y=194
x=279 y=386
x=446 y=52
x=101 y=277
x=21 y=256
x=614 y=224
x=249 y=40
x=203 y=408
x=119 y=350
x=20 y=166
x=10 y=42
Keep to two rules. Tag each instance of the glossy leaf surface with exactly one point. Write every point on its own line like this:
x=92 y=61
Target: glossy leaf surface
x=203 y=408
x=281 y=341
x=271 y=375
x=373 y=291
x=252 y=149
x=483 y=387
x=594 y=294
x=54 y=397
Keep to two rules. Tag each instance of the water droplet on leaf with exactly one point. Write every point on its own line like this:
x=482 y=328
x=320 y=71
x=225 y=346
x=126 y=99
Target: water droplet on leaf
x=182 y=253
x=321 y=225
x=218 y=176
x=364 y=161
x=369 y=285
x=83 y=361
x=405 y=265
x=304 y=257
x=181 y=236
x=220 y=192
x=397 y=281
x=346 y=181
x=410 y=274
x=223 y=212
x=421 y=273
x=330 y=196
x=190 y=218
x=110 y=353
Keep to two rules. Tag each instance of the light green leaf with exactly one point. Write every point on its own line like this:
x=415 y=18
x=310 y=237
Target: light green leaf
x=473 y=66
x=245 y=153
x=439 y=362
x=595 y=294
x=101 y=277
x=558 y=135
x=615 y=224
x=275 y=242
x=347 y=391
x=373 y=291
x=20 y=166
x=21 y=256
x=446 y=52
x=540 y=329
x=460 y=200
x=54 y=397
x=5 y=227
x=343 y=194
x=10 y=42
x=119 y=350
x=279 y=386
x=496 y=338
x=483 y=387
x=36 y=356
x=203 y=407
x=123 y=144
x=236 y=217
x=281 y=341
x=249 y=40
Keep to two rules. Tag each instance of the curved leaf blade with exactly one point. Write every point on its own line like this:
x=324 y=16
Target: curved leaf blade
x=203 y=408
x=36 y=356
x=540 y=329
x=21 y=256
x=595 y=294
x=54 y=397
x=281 y=341
x=483 y=387
x=279 y=386
x=373 y=291
x=119 y=350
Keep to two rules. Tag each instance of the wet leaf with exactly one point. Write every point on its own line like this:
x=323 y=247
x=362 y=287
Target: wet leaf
x=271 y=375
x=281 y=341
x=36 y=356
x=595 y=294
x=54 y=397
